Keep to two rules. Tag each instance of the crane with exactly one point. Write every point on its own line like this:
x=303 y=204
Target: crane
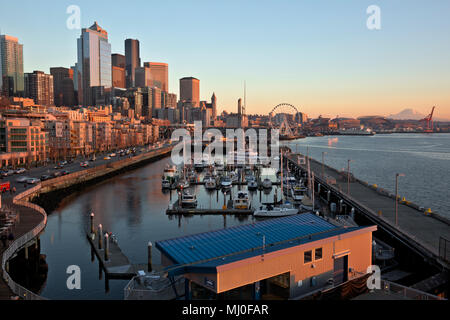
x=429 y=122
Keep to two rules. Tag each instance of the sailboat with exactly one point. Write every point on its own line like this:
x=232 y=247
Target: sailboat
x=283 y=210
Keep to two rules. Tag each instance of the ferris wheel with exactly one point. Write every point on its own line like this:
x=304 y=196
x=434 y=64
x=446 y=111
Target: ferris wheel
x=284 y=117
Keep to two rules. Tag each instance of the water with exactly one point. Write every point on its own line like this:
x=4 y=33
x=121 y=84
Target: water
x=424 y=159
x=133 y=206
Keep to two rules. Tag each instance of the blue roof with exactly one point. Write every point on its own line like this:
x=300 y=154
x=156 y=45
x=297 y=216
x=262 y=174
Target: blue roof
x=211 y=249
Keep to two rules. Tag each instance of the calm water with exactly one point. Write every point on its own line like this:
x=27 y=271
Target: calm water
x=133 y=206
x=424 y=159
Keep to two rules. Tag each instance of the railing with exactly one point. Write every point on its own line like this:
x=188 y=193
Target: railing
x=17 y=289
x=408 y=293
x=444 y=249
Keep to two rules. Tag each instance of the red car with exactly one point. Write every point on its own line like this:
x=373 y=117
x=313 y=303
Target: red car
x=5 y=186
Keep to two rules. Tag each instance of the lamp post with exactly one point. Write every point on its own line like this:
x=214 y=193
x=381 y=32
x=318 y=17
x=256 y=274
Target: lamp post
x=348 y=176
x=396 y=196
x=323 y=163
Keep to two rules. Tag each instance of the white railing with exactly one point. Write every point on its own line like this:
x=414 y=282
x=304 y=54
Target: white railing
x=17 y=289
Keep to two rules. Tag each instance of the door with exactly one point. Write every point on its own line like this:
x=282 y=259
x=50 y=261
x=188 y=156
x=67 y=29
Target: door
x=340 y=270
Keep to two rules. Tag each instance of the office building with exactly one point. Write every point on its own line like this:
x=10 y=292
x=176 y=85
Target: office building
x=159 y=75
x=63 y=86
x=94 y=65
x=132 y=61
x=11 y=66
x=39 y=87
x=190 y=91
x=118 y=70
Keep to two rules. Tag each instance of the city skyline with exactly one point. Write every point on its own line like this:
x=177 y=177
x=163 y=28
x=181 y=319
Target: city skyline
x=334 y=65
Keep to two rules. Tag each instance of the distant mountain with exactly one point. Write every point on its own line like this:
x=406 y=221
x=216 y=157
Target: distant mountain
x=410 y=114
x=407 y=114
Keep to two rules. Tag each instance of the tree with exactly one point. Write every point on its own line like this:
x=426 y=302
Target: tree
x=4 y=102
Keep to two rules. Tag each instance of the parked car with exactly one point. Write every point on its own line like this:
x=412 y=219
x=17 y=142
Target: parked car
x=58 y=166
x=45 y=177
x=65 y=172
x=107 y=158
x=33 y=181
x=20 y=170
x=22 y=179
x=56 y=174
x=84 y=164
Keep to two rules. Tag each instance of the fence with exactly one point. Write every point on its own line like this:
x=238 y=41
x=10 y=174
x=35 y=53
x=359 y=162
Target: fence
x=17 y=289
x=407 y=293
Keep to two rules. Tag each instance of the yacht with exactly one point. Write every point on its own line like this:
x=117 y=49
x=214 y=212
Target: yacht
x=188 y=199
x=226 y=183
x=252 y=184
x=298 y=193
x=241 y=201
x=210 y=183
x=166 y=184
x=267 y=183
x=272 y=212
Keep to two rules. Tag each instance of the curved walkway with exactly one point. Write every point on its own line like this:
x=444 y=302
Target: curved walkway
x=33 y=220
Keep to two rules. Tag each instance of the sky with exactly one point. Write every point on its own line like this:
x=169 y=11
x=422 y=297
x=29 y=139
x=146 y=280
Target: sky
x=316 y=55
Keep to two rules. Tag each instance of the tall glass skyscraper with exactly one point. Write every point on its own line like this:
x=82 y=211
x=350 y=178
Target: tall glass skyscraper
x=94 y=66
x=133 y=61
x=11 y=66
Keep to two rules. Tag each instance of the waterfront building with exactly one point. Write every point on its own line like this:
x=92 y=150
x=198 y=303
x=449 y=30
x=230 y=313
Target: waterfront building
x=94 y=66
x=39 y=87
x=132 y=61
x=63 y=86
x=282 y=258
x=11 y=66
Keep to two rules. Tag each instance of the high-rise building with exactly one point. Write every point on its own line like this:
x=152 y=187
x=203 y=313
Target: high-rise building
x=142 y=77
x=11 y=66
x=118 y=71
x=159 y=75
x=190 y=91
x=132 y=61
x=63 y=86
x=94 y=65
x=39 y=87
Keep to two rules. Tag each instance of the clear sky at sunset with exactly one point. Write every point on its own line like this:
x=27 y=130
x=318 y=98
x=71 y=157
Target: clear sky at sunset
x=317 y=55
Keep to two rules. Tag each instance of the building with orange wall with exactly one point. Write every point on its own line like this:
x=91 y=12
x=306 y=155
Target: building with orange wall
x=280 y=258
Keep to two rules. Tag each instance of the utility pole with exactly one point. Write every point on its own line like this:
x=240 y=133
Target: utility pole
x=396 y=196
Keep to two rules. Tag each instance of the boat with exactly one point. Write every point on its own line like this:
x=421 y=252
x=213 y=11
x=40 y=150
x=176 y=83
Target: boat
x=183 y=184
x=297 y=193
x=192 y=177
x=210 y=184
x=252 y=184
x=226 y=183
x=241 y=201
x=267 y=183
x=272 y=212
x=188 y=199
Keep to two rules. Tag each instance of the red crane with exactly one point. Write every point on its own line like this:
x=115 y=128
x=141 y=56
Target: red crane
x=429 y=120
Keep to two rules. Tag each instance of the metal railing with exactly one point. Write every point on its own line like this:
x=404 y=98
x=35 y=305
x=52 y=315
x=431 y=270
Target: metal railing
x=17 y=289
x=407 y=293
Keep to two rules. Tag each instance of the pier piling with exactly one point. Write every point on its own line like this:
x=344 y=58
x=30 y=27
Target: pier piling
x=100 y=237
x=106 y=247
x=149 y=249
x=92 y=222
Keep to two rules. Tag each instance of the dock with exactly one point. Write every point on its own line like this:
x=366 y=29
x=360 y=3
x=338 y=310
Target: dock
x=421 y=231
x=117 y=266
x=195 y=211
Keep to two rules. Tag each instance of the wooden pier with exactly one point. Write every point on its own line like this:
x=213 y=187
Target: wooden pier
x=195 y=211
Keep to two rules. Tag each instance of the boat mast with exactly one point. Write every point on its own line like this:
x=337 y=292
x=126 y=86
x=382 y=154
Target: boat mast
x=282 y=178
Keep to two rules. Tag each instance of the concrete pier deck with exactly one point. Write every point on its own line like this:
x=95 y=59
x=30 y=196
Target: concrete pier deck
x=423 y=229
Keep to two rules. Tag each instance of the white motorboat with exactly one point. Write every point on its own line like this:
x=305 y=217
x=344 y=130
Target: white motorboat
x=210 y=184
x=252 y=184
x=183 y=184
x=298 y=193
x=166 y=184
x=188 y=199
x=226 y=183
x=267 y=184
x=241 y=201
x=272 y=212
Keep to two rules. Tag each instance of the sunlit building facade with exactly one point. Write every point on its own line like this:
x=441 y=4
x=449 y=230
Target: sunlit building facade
x=11 y=66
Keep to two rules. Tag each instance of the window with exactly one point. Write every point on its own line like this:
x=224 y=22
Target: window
x=318 y=254
x=307 y=257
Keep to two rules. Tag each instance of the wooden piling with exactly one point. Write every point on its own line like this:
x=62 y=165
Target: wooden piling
x=149 y=253
x=100 y=236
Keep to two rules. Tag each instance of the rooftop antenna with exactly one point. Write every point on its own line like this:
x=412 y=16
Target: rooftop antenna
x=245 y=98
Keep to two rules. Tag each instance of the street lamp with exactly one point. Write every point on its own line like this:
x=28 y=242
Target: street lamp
x=323 y=163
x=396 y=196
x=348 y=177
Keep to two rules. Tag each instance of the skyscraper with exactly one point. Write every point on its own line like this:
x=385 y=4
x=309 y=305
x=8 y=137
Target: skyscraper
x=11 y=66
x=39 y=87
x=63 y=86
x=118 y=71
x=159 y=75
x=190 y=91
x=132 y=60
x=94 y=65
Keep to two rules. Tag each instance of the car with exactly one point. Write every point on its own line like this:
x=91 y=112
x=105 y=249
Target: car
x=84 y=164
x=22 y=179
x=58 y=166
x=33 y=181
x=112 y=155
x=20 y=171
x=65 y=172
x=45 y=177
x=56 y=174
x=107 y=158
x=63 y=163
